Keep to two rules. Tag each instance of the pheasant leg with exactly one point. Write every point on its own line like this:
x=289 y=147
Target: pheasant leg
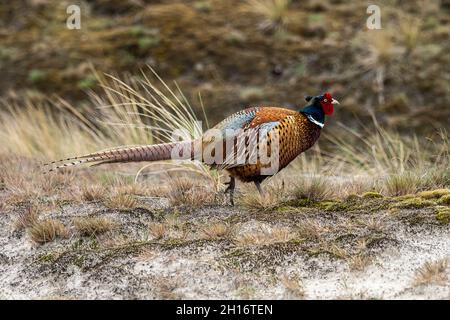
x=258 y=186
x=230 y=189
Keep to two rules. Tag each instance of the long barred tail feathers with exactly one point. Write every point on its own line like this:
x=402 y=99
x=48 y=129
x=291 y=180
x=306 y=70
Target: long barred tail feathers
x=155 y=152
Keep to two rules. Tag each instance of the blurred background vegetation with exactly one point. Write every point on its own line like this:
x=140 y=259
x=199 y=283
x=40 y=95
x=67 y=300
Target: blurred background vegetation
x=239 y=53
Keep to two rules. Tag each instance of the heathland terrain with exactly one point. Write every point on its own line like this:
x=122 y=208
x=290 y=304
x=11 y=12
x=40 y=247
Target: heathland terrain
x=98 y=234
x=364 y=214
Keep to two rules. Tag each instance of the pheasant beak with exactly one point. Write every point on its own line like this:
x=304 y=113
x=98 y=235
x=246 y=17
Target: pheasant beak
x=334 y=101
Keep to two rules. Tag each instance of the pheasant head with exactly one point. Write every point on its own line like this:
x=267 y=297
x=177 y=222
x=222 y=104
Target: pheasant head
x=318 y=107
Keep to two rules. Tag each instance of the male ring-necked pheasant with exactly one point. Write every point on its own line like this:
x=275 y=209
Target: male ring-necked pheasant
x=294 y=131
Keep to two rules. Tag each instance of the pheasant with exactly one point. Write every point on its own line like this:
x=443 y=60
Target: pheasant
x=253 y=134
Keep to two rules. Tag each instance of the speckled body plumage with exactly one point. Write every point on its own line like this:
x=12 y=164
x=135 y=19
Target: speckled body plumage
x=295 y=132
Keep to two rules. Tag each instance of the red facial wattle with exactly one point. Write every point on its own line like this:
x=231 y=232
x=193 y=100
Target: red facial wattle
x=327 y=104
x=328 y=108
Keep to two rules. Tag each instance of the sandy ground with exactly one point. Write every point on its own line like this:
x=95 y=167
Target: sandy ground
x=136 y=267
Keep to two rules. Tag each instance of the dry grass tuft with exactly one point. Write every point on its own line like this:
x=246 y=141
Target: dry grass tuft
x=336 y=251
x=157 y=230
x=433 y=273
x=89 y=226
x=166 y=289
x=265 y=236
x=27 y=218
x=410 y=182
x=216 y=230
x=275 y=12
x=401 y=184
x=147 y=254
x=159 y=191
x=410 y=29
x=47 y=231
x=314 y=188
x=93 y=193
x=186 y=192
x=181 y=191
x=312 y=230
x=360 y=185
x=253 y=202
x=173 y=220
x=126 y=188
x=171 y=228
x=332 y=249
x=375 y=224
x=359 y=262
x=123 y=202
x=382 y=47
x=274 y=196
x=294 y=287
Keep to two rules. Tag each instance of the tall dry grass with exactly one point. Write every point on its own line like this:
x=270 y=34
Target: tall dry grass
x=274 y=12
x=125 y=113
x=378 y=151
x=137 y=111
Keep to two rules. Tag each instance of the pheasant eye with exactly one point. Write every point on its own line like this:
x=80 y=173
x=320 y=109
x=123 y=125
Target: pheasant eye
x=325 y=100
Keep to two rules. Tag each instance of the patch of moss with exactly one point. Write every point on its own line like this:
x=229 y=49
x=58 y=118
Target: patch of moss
x=87 y=82
x=147 y=42
x=48 y=257
x=331 y=205
x=302 y=202
x=405 y=197
x=413 y=203
x=332 y=251
x=352 y=197
x=235 y=37
x=202 y=6
x=345 y=237
x=284 y=209
x=237 y=252
x=7 y=54
x=434 y=194
x=136 y=31
x=444 y=199
x=372 y=195
x=125 y=58
x=37 y=76
x=79 y=261
x=443 y=215
x=297 y=241
x=315 y=18
x=348 y=205
x=300 y=69
x=175 y=242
